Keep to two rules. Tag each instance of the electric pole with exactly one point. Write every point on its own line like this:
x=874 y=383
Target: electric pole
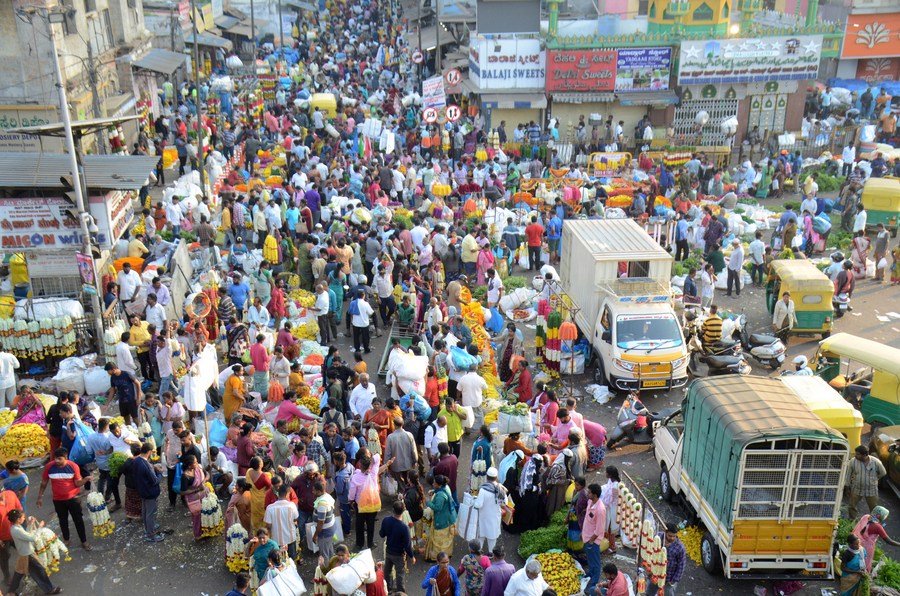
x=95 y=95
x=200 y=157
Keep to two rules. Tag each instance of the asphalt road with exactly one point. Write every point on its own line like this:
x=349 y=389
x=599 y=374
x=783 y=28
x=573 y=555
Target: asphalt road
x=124 y=562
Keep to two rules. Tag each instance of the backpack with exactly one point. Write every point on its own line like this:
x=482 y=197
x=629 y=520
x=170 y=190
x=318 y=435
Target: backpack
x=176 y=481
x=420 y=432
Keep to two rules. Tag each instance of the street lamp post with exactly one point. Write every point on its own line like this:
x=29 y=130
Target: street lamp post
x=200 y=157
x=83 y=215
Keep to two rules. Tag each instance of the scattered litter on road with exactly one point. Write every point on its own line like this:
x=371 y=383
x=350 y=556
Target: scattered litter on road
x=883 y=318
x=90 y=569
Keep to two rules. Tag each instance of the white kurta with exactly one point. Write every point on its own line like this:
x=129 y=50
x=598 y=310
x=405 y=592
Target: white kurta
x=521 y=585
x=488 y=512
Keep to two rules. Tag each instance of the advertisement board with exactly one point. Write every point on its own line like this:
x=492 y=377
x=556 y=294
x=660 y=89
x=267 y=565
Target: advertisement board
x=875 y=35
x=750 y=60
x=581 y=70
x=46 y=223
x=12 y=117
x=643 y=69
x=433 y=95
x=507 y=64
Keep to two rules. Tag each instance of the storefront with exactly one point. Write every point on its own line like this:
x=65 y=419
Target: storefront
x=626 y=84
x=871 y=48
x=509 y=77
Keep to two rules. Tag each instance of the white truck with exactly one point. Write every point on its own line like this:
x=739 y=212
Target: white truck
x=618 y=278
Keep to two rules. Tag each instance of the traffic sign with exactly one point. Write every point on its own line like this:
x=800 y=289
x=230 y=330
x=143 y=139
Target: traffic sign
x=453 y=113
x=453 y=77
x=430 y=115
x=417 y=57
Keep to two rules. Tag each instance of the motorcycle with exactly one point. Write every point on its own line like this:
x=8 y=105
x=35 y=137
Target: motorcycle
x=721 y=358
x=841 y=304
x=766 y=349
x=634 y=422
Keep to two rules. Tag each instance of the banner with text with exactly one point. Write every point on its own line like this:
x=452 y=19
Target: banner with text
x=433 y=95
x=12 y=117
x=507 y=64
x=750 y=60
x=643 y=69
x=581 y=70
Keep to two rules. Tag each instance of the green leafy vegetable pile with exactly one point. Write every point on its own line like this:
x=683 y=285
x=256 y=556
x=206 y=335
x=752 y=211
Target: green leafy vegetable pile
x=514 y=282
x=116 y=460
x=552 y=536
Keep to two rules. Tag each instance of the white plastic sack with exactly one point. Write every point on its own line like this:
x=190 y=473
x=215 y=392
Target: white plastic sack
x=467 y=519
x=511 y=423
x=412 y=368
x=600 y=393
x=572 y=366
x=96 y=381
x=70 y=381
x=337 y=537
x=346 y=578
x=469 y=422
x=288 y=582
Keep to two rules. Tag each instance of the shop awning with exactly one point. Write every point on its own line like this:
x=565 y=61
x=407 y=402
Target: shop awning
x=226 y=22
x=209 y=40
x=43 y=170
x=583 y=97
x=160 y=60
x=307 y=6
x=429 y=38
x=514 y=101
x=648 y=98
x=242 y=29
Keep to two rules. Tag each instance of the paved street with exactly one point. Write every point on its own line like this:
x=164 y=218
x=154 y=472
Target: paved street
x=181 y=567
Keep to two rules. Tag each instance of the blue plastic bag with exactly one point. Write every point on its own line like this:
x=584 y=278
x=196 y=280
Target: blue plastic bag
x=81 y=453
x=217 y=433
x=176 y=481
x=495 y=325
x=413 y=402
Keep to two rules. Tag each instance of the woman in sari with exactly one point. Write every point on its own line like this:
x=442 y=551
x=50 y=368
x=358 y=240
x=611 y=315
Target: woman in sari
x=556 y=482
x=483 y=262
x=443 y=520
x=258 y=550
x=260 y=483
x=787 y=235
x=16 y=481
x=762 y=189
x=30 y=409
x=336 y=281
x=514 y=346
x=810 y=236
x=869 y=529
x=81 y=407
x=482 y=456
x=595 y=434
x=414 y=501
x=238 y=341
x=238 y=509
x=321 y=587
x=860 y=254
x=895 y=270
x=193 y=489
x=502 y=253
x=853 y=568
x=779 y=180
x=380 y=420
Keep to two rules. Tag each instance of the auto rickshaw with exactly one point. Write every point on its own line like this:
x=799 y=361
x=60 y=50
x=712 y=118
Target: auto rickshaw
x=881 y=198
x=810 y=289
x=829 y=405
x=865 y=372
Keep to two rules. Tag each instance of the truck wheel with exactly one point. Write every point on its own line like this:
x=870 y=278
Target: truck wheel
x=665 y=484
x=599 y=376
x=710 y=555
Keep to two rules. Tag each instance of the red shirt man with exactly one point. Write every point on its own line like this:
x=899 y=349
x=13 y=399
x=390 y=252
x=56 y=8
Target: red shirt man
x=534 y=233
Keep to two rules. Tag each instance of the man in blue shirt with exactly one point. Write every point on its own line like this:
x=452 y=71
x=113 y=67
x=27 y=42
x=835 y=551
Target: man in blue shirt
x=241 y=585
x=102 y=448
x=239 y=291
x=126 y=388
x=554 y=233
x=681 y=242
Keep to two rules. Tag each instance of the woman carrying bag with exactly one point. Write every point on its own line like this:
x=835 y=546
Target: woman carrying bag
x=193 y=489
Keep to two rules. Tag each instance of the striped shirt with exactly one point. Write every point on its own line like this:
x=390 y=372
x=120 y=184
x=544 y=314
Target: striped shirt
x=712 y=329
x=864 y=476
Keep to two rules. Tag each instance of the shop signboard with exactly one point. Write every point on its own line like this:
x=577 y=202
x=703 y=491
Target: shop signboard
x=39 y=223
x=581 y=70
x=750 y=60
x=507 y=64
x=643 y=69
x=12 y=117
x=872 y=35
x=113 y=212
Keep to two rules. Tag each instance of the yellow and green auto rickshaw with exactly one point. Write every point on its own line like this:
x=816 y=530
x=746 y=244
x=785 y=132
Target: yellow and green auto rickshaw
x=881 y=198
x=810 y=289
x=866 y=372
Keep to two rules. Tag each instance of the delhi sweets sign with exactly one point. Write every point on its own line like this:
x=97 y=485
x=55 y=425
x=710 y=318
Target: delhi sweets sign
x=750 y=60
x=631 y=69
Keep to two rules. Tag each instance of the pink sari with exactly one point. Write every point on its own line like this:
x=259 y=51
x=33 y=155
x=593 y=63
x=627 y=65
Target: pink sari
x=484 y=262
x=193 y=501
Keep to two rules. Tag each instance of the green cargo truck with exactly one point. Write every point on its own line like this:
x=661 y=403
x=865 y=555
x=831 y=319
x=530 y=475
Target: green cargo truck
x=761 y=471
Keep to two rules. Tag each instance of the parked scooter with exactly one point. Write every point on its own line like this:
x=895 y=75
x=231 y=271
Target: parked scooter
x=766 y=349
x=634 y=422
x=721 y=358
x=841 y=304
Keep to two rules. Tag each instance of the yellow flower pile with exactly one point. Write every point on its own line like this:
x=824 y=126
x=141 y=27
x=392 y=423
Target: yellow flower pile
x=6 y=418
x=304 y=298
x=24 y=441
x=293 y=280
x=560 y=572
x=306 y=331
x=691 y=537
x=312 y=403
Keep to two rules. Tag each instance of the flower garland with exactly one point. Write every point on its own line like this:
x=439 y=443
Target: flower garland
x=236 y=540
x=103 y=526
x=49 y=549
x=147 y=435
x=211 y=522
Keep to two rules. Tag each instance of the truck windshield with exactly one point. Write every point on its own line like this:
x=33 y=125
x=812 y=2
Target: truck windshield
x=647 y=331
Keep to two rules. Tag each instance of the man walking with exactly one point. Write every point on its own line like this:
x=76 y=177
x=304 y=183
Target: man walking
x=592 y=532
x=401 y=449
x=65 y=480
x=496 y=577
x=146 y=479
x=281 y=520
x=471 y=393
x=865 y=472
x=398 y=546
x=735 y=268
x=783 y=317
